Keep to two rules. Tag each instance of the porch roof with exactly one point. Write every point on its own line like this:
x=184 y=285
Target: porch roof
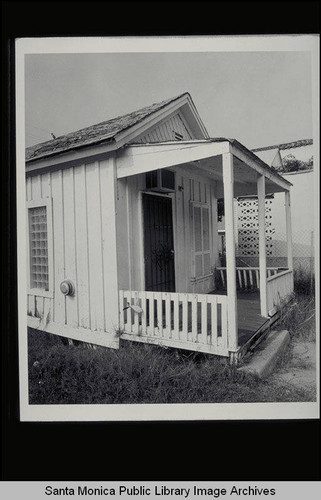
x=206 y=156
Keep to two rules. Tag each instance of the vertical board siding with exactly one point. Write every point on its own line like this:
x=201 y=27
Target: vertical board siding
x=84 y=235
x=58 y=238
x=96 y=285
x=135 y=184
x=28 y=189
x=46 y=193
x=109 y=239
x=81 y=243
x=123 y=235
x=189 y=187
x=46 y=185
x=70 y=245
x=36 y=187
x=279 y=289
x=165 y=131
x=30 y=298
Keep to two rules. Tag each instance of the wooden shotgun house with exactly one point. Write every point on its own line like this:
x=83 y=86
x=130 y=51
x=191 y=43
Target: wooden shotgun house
x=123 y=234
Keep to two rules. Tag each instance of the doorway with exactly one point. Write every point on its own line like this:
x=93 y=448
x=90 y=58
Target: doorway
x=158 y=243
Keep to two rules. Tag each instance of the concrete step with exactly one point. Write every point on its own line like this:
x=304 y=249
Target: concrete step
x=263 y=360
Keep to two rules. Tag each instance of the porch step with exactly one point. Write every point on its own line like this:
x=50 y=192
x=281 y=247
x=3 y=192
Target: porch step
x=258 y=337
x=262 y=362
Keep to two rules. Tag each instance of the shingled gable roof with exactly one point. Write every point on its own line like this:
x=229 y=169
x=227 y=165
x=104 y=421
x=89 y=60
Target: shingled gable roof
x=101 y=132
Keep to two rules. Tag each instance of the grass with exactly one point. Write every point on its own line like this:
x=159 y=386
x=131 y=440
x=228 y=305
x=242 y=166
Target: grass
x=140 y=373
x=298 y=317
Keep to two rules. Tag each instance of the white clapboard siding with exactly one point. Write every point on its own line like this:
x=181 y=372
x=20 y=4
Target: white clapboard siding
x=108 y=242
x=70 y=245
x=81 y=247
x=36 y=187
x=195 y=322
x=96 y=282
x=59 y=244
x=39 y=306
x=165 y=131
x=279 y=289
x=46 y=193
x=30 y=298
x=84 y=235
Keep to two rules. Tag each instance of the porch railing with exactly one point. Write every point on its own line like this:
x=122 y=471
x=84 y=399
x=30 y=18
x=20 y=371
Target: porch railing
x=196 y=322
x=247 y=277
x=278 y=288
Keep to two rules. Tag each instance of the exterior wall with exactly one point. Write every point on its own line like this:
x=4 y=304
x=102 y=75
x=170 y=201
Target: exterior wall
x=82 y=230
x=165 y=131
x=189 y=187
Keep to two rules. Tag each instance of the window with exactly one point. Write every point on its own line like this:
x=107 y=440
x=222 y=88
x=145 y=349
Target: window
x=39 y=248
x=161 y=181
x=202 y=239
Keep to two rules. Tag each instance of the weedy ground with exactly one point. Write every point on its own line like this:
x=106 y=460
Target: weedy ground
x=141 y=373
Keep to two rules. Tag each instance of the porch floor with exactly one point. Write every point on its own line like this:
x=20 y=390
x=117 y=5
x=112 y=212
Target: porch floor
x=249 y=315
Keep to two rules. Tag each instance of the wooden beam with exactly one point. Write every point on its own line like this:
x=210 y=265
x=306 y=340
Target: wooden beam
x=262 y=244
x=143 y=158
x=228 y=180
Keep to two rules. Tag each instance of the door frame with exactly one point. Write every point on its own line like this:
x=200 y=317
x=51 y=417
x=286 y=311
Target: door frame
x=171 y=196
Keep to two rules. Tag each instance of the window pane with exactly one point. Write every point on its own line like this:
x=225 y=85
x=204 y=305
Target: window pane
x=206 y=229
x=38 y=248
x=197 y=229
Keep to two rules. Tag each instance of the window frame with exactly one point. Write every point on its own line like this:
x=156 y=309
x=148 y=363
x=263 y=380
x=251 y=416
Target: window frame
x=41 y=202
x=202 y=252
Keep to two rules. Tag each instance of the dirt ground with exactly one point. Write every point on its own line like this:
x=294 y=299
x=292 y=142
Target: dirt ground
x=298 y=368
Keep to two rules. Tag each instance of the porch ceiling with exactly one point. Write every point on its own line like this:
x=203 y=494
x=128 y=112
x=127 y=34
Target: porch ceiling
x=206 y=157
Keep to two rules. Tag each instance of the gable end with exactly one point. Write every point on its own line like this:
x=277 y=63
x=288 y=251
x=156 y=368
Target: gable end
x=172 y=128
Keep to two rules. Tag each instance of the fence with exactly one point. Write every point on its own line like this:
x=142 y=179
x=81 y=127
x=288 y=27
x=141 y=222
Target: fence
x=247 y=278
x=195 y=322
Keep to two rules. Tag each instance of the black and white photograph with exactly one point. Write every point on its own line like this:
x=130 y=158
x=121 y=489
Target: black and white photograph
x=168 y=227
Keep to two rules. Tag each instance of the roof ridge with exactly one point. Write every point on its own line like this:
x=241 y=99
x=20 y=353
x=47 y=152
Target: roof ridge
x=133 y=117
x=160 y=103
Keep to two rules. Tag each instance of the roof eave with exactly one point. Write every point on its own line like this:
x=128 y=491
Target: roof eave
x=70 y=150
x=254 y=157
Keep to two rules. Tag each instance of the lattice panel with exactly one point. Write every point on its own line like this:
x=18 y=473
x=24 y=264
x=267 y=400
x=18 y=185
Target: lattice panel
x=248 y=233
x=38 y=248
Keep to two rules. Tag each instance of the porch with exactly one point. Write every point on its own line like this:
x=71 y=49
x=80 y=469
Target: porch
x=199 y=322
x=182 y=311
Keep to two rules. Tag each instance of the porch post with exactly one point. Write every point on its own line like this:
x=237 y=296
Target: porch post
x=228 y=181
x=288 y=229
x=262 y=244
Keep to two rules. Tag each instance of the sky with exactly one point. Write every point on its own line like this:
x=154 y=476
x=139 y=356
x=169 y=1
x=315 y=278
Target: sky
x=258 y=98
